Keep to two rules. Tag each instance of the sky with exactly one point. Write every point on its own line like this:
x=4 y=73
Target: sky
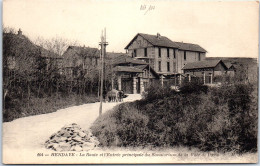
x=224 y=29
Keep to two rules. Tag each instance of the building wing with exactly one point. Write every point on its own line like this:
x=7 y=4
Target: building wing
x=162 y=41
x=202 y=64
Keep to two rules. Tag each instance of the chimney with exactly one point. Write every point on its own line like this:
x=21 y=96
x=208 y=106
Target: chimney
x=158 y=36
x=20 y=32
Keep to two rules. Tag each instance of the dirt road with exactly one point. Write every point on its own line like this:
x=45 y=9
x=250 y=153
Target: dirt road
x=25 y=137
x=23 y=142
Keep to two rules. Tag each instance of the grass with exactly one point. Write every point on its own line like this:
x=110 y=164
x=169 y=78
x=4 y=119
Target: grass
x=211 y=119
x=35 y=106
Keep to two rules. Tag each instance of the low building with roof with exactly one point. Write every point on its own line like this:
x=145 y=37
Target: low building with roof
x=206 y=70
x=21 y=55
x=230 y=69
x=132 y=74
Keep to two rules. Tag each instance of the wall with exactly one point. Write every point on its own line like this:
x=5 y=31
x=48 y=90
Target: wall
x=190 y=57
x=219 y=70
x=153 y=52
x=199 y=73
x=164 y=59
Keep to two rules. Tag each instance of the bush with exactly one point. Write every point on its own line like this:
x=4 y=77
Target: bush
x=220 y=119
x=121 y=126
x=17 y=108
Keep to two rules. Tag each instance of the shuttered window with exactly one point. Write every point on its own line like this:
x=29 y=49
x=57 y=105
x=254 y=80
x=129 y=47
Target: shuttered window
x=145 y=52
x=174 y=67
x=159 y=66
x=168 y=66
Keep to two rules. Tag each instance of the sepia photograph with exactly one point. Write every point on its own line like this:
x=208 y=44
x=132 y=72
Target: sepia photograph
x=129 y=82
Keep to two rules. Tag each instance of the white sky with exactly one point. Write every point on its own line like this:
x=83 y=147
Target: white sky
x=224 y=29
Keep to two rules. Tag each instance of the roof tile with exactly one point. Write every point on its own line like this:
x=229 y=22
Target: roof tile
x=201 y=64
x=163 y=41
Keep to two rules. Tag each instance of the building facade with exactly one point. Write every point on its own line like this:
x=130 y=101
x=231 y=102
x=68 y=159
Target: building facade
x=132 y=75
x=163 y=55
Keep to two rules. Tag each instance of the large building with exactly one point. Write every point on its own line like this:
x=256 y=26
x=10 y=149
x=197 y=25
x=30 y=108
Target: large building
x=21 y=55
x=164 y=55
x=148 y=59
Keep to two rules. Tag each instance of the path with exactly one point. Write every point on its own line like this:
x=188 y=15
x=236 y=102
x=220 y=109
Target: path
x=23 y=139
x=27 y=135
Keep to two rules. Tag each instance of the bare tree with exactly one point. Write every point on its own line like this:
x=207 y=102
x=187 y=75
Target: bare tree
x=56 y=44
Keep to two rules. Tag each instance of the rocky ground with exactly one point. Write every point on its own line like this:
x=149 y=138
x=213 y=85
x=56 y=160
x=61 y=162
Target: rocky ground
x=26 y=137
x=72 y=138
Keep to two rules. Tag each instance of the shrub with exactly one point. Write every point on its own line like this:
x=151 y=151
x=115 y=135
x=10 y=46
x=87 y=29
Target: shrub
x=121 y=126
x=221 y=119
x=17 y=108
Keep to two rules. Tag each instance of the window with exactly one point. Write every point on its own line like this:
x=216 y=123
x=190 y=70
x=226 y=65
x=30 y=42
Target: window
x=159 y=66
x=168 y=66
x=145 y=52
x=174 y=53
x=168 y=53
x=134 y=53
x=174 y=67
x=75 y=72
x=185 y=55
x=199 y=57
x=159 y=49
x=91 y=61
x=144 y=73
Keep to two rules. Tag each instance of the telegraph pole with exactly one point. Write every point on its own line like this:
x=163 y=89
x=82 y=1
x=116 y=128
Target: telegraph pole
x=103 y=44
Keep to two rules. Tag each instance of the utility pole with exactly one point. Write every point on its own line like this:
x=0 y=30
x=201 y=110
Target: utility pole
x=103 y=44
x=149 y=71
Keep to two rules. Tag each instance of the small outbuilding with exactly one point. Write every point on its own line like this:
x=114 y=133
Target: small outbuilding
x=132 y=75
x=206 y=70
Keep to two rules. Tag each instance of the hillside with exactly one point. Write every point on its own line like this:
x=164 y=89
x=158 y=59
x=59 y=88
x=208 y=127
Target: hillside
x=246 y=66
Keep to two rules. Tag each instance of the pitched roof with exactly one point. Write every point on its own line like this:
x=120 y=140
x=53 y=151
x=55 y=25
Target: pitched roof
x=163 y=41
x=190 y=47
x=85 y=51
x=124 y=59
x=113 y=55
x=127 y=69
x=154 y=40
x=24 y=46
x=141 y=67
x=228 y=64
x=202 y=64
x=48 y=54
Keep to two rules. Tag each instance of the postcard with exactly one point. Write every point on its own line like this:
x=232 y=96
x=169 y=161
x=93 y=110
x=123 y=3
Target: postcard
x=130 y=82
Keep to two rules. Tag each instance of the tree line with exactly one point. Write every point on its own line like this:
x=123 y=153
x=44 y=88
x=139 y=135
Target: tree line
x=35 y=70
